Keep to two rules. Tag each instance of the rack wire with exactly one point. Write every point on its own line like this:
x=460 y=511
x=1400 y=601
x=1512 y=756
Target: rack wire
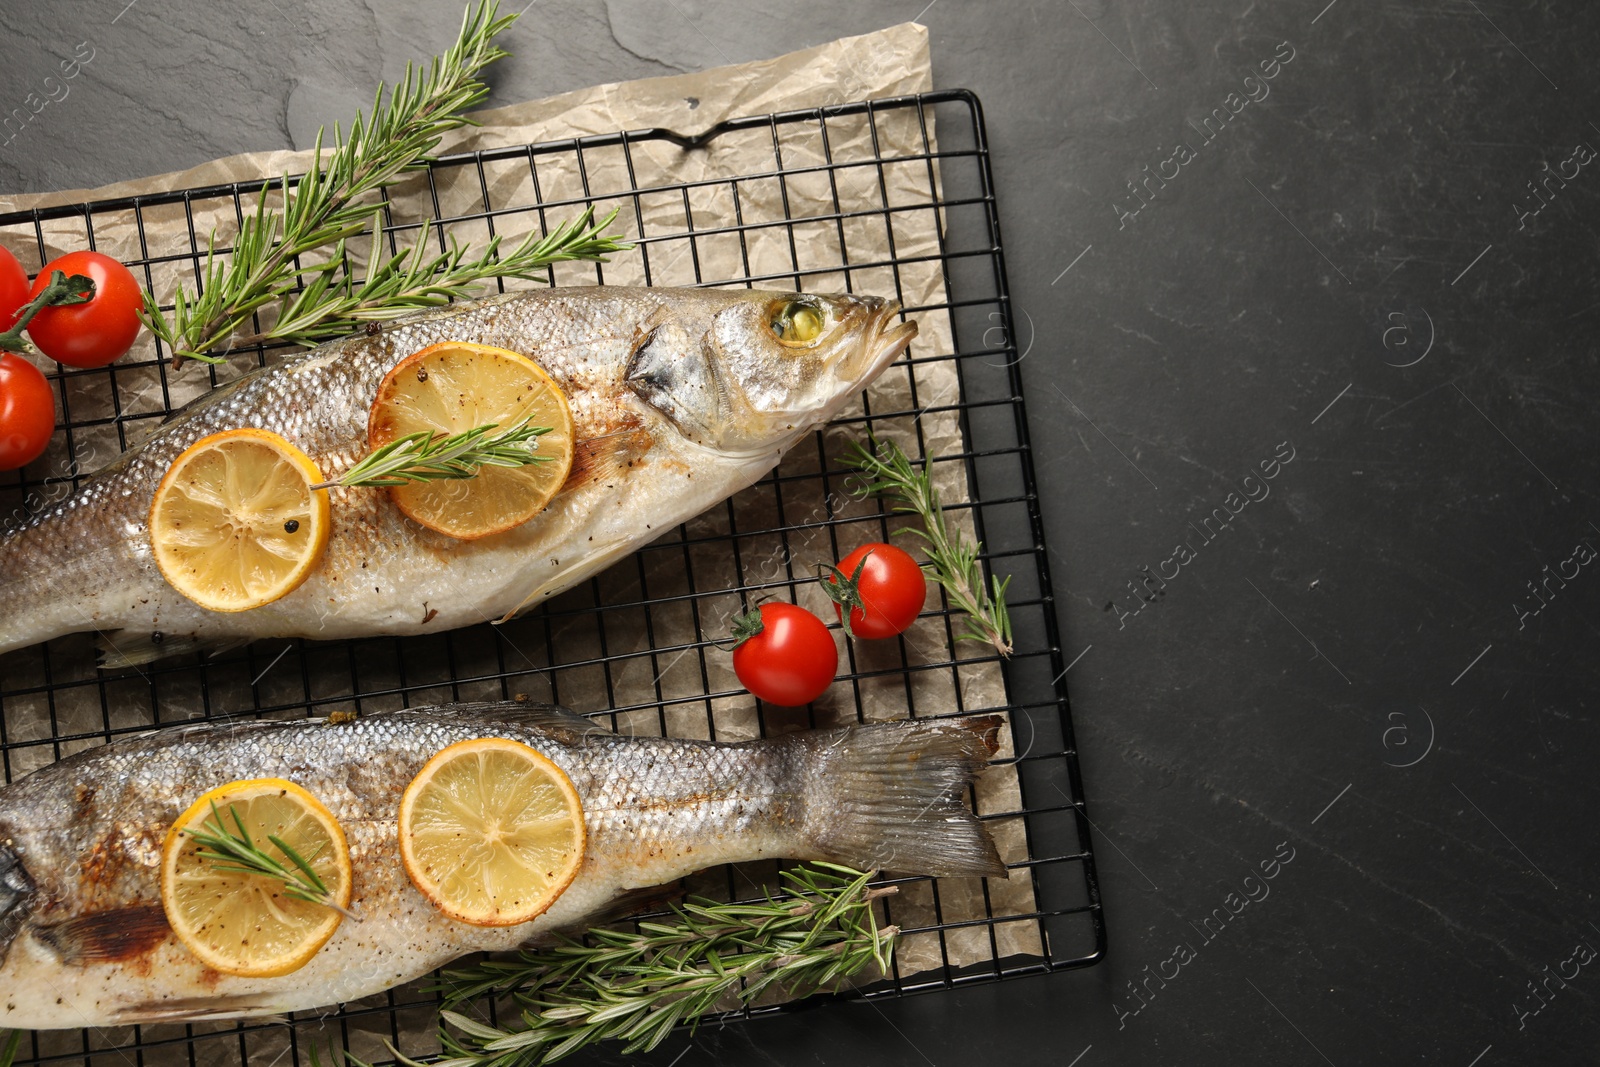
x=836 y=180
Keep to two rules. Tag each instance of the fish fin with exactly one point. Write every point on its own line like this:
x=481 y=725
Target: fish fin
x=107 y=936
x=524 y=713
x=594 y=459
x=599 y=556
x=198 y=1009
x=890 y=796
x=607 y=457
x=135 y=648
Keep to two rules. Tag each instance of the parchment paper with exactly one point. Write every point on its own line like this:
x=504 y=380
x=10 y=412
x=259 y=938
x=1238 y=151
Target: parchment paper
x=597 y=663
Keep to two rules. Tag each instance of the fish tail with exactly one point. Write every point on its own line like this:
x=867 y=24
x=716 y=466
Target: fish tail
x=891 y=796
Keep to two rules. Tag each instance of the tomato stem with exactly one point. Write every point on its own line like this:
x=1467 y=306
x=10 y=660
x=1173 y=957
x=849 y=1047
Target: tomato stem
x=744 y=628
x=61 y=292
x=845 y=590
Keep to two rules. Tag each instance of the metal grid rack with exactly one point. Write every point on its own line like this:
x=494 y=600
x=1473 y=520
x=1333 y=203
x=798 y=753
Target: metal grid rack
x=54 y=701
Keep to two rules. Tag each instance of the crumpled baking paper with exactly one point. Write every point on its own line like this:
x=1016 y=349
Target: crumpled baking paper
x=598 y=662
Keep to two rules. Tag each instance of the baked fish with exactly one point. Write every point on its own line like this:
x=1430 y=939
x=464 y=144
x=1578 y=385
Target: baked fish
x=679 y=397
x=86 y=941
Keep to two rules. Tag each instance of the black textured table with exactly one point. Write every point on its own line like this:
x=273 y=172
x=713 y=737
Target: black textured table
x=1307 y=300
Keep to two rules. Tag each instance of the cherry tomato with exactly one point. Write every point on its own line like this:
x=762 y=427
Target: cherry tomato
x=27 y=412
x=789 y=659
x=13 y=288
x=92 y=334
x=889 y=590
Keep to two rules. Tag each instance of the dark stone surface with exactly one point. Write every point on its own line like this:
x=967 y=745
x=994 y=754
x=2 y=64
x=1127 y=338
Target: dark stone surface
x=1345 y=269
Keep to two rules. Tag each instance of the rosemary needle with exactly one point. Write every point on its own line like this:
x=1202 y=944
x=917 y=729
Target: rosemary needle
x=887 y=471
x=9 y=1055
x=234 y=849
x=426 y=457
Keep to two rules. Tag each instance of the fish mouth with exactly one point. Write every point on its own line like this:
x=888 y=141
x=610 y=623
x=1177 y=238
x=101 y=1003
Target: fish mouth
x=886 y=339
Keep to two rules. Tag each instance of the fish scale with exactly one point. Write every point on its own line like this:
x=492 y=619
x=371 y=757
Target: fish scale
x=86 y=942
x=680 y=397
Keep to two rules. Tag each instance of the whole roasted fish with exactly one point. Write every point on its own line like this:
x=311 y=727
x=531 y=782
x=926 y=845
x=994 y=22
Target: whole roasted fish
x=86 y=942
x=679 y=397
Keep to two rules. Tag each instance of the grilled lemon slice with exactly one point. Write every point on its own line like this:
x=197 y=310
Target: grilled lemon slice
x=242 y=922
x=453 y=387
x=491 y=832
x=235 y=523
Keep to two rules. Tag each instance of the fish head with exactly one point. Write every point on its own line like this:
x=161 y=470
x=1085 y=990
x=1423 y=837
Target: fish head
x=748 y=372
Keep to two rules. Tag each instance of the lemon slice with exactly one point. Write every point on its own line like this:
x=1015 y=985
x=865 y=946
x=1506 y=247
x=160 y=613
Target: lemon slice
x=453 y=387
x=235 y=523
x=491 y=832
x=246 y=923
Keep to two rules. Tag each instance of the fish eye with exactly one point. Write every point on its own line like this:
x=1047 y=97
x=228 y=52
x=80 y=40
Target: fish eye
x=797 y=322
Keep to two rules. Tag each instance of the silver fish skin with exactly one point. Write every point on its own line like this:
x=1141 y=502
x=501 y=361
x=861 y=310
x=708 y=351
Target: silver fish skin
x=680 y=397
x=86 y=941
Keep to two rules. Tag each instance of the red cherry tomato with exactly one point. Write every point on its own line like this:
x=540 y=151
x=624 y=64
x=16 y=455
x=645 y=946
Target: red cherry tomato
x=27 y=412
x=92 y=334
x=790 y=660
x=13 y=288
x=889 y=592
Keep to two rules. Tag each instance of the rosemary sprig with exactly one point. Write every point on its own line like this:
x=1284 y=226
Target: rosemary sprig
x=233 y=849
x=427 y=457
x=322 y=209
x=329 y=205
x=412 y=279
x=636 y=986
x=886 y=470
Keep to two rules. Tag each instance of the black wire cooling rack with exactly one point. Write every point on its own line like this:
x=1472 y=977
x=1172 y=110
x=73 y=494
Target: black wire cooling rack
x=829 y=209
